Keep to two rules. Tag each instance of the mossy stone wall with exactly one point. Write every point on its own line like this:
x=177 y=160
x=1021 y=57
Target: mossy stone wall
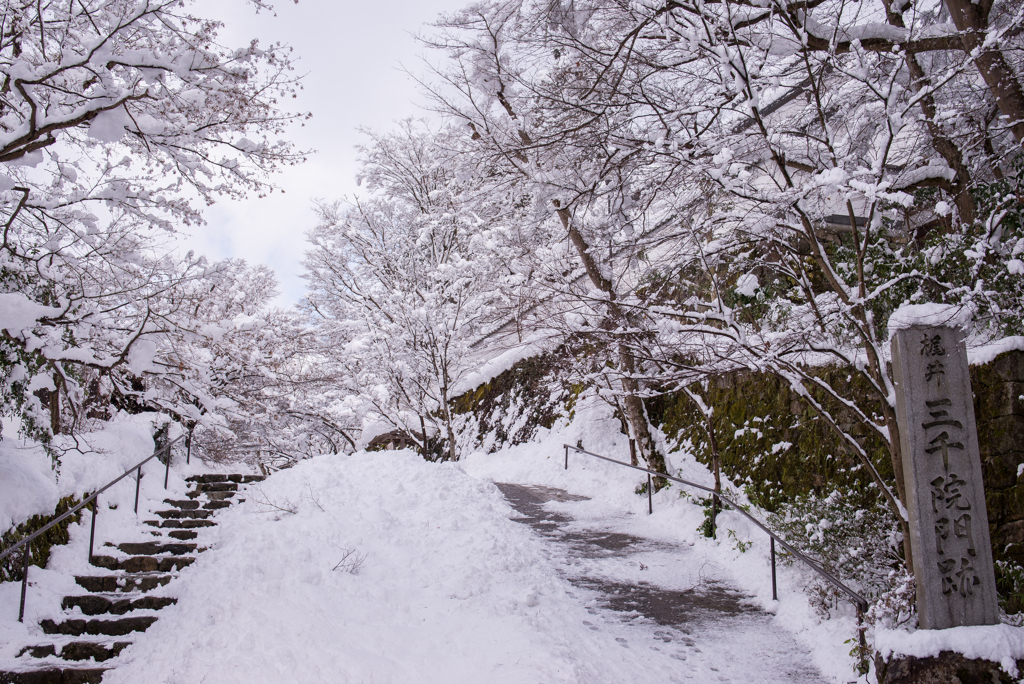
x=770 y=442
x=510 y=408
x=11 y=569
x=999 y=410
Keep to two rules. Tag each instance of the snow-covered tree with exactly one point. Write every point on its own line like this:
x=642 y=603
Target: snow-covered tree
x=396 y=284
x=118 y=121
x=758 y=186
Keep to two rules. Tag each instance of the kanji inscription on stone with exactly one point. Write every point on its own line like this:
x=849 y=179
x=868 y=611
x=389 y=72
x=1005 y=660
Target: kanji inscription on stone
x=949 y=536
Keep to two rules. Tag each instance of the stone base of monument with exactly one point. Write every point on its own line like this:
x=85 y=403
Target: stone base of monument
x=946 y=668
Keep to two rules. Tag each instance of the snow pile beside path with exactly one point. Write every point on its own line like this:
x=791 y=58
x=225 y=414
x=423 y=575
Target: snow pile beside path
x=1001 y=644
x=450 y=590
x=492 y=368
x=29 y=484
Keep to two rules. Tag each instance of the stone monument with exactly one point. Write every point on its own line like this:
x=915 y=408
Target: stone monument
x=949 y=533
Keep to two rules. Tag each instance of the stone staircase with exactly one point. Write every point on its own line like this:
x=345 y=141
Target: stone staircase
x=98 y=625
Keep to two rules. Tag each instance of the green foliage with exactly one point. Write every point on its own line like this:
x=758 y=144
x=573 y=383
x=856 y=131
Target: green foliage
x=11 y=567
x=739 y=544
x=1010 y=585
x=980 y=263
x=707 y=527
x=859 y=546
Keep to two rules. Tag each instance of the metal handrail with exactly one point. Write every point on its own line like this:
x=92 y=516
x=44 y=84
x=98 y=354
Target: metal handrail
x=89 y=499
x=858 y=600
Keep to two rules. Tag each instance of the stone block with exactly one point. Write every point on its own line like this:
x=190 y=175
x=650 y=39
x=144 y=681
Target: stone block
x=949 y=530
x=1002 y=435
x=946 y=668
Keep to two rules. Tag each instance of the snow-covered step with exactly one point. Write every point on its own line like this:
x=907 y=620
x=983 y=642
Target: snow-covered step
x=156 y=548
x=184 y=504
x=99 y=604
x=78 y=650
x=178 y=514
x=143 y=563
x=183 y=524
x=96 y=627
x=181 y=534
x=54 y=675
x=126 y=583
x=220 y=478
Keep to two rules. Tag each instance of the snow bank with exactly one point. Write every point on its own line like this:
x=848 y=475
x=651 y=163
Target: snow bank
x=910 y=315
x=29 y=484
x=987 y=353
x=1002 y=644
x=492 y=368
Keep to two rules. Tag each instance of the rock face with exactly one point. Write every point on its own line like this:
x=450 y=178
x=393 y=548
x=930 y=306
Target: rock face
x=946 y=668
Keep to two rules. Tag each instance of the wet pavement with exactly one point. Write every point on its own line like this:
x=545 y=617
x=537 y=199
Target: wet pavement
x=707 y=622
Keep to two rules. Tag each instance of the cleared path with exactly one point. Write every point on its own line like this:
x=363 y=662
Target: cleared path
x=684 y=606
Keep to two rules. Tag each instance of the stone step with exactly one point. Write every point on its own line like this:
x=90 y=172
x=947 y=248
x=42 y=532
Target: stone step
x=122 y=584
x=78 y=650
x=156 y=548
x=183 y=524
x=182 y=534
x=184 y=504
x=94 y=604
x=204 y=479
x=214 y=505
x=55 y=675
x=143 y=563
x=180 y=515
x=217 y=487
x=117 y=627
x=215 y=478
x=212 y=496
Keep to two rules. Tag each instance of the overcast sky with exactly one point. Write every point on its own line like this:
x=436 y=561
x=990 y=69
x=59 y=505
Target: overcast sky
x=351 y=54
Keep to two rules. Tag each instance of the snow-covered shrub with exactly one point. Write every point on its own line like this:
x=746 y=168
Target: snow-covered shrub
x=1010 y=583
x=858 y=546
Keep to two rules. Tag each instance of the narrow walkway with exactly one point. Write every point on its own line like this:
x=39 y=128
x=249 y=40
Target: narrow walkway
x=699 y=620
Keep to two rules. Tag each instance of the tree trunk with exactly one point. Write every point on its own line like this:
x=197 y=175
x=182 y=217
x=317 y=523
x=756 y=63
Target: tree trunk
x=941 y=143
x=55 y=410
x=896 y=454
x=633 y=405
x=971 y=19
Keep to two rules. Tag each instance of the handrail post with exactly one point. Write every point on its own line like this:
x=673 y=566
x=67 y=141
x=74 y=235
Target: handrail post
x=566 y=456
x=650 y=501
x=167 y=472
x=24 y=581
x=92 y=530
x=775 y=590
x=138 y=481
x=714 y=516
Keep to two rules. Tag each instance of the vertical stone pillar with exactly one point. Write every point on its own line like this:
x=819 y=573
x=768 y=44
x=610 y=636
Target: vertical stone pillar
x=946 y=497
